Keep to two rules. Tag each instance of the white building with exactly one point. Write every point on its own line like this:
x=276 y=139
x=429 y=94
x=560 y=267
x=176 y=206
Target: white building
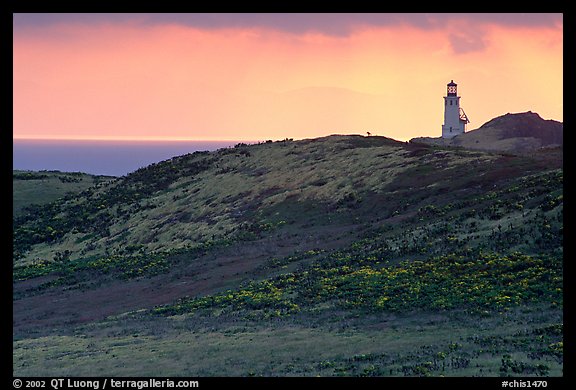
x=455 y=119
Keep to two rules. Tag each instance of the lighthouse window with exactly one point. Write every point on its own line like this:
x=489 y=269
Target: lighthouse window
x=450 y=102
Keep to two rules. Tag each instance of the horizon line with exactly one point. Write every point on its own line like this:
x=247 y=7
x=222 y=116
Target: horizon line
x=126 y=139
x=176 y=139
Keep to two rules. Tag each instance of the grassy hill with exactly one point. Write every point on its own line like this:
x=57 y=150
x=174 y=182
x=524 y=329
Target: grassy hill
x=39 y=188
x=342 y=255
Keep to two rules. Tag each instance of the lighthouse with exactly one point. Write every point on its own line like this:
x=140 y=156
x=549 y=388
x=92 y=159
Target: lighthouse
x=455 y=118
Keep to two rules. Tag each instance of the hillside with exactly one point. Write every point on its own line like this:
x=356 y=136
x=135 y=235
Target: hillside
x=342 y=255
x=39 y=188
x=516 y=133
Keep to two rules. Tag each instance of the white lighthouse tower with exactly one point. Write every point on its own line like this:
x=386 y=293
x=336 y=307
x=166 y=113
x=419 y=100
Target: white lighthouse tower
x=455 y=118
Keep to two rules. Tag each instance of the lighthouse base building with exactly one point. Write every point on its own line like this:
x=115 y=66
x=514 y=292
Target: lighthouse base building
x=455 y=118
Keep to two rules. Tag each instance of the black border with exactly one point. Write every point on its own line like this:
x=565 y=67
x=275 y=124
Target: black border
x=6 y=23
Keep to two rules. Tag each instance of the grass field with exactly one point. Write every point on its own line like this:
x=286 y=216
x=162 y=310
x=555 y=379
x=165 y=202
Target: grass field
x=523 y=342
x=39 y=188
x=341 y=256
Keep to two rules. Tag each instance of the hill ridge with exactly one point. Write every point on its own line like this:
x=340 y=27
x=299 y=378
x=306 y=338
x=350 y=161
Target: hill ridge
x=523 y=132
x=345 y=255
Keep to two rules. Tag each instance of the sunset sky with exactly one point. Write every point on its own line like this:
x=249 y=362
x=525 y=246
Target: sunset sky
x=274 y=76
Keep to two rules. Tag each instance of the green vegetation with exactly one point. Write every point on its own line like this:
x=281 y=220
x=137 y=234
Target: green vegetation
x=352 y=256
x=524 y=342
x=81 y=272
x=91 y=215
x=489 y=282
x=39 y=188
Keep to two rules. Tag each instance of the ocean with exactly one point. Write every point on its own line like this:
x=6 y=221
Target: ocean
x=113 y=158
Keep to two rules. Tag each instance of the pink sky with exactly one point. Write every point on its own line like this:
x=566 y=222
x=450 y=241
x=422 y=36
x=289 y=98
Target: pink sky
x=240 y=79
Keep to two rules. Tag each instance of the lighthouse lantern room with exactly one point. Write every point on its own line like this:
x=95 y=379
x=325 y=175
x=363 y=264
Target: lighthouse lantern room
x=455 y=118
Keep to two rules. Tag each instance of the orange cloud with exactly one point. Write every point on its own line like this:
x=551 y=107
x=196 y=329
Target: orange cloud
x=172 y=81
